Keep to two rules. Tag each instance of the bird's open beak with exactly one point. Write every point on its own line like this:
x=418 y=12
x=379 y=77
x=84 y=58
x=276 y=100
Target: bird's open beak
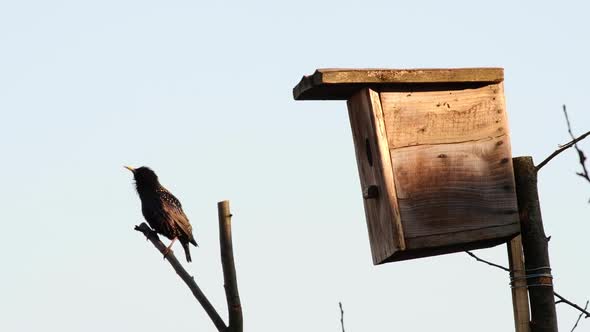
x=130 y=168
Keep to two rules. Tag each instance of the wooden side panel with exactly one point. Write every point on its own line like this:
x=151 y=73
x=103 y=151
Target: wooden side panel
x=374 y=164
x=456 y=193
x=386 y=167
x=438 y=117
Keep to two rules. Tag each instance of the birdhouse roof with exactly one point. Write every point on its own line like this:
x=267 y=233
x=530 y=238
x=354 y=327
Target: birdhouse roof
x=341 y=83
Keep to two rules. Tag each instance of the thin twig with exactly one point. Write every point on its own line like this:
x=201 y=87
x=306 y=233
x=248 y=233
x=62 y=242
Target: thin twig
x=581 y=154
x=566 y=301
x=561 y=149
x=487 y=262
x=187 y=278
x=234 y=306
x=568 y=145
x=579 y=317
x=561 y=298
x=341 y=316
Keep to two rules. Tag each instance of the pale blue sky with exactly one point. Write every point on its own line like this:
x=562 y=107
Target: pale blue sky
x=202 y=94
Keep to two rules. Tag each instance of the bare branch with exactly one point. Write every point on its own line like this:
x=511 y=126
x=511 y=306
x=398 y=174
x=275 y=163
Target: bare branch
x=561 y=149
x=234 y=306
x=579 y=317
x=341 y=316
x=187 y=278
x=487 y=262
x=568 y=145
x=581 y=155
x=566 y=301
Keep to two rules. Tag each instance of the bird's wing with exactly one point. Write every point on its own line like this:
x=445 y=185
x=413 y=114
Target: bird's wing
x=158 y=220
x=173 y=208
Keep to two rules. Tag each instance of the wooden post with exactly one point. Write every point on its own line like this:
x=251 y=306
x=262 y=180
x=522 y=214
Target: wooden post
x=520 y=297
x=234 y=306
x=534 y=243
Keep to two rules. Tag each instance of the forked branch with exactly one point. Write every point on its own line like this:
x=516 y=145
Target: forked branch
x=229 y=272
x=185 y=276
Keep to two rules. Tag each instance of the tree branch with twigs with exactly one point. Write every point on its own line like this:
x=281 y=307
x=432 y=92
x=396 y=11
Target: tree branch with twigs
x=573 y=143
x=581 y=155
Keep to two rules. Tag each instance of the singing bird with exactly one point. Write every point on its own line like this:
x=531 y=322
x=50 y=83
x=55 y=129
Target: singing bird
x=162 y=210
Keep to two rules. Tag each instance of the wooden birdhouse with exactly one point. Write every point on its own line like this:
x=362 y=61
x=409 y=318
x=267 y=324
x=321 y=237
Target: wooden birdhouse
x=433 y=154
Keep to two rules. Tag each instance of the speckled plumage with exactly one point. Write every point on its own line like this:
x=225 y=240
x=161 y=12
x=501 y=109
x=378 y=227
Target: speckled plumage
x=162 y=210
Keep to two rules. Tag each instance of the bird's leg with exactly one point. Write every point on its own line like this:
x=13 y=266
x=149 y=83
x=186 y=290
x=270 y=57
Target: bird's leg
x=169 y=248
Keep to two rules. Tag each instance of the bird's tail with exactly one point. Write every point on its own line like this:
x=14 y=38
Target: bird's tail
x=194 y=242
x=187 y=252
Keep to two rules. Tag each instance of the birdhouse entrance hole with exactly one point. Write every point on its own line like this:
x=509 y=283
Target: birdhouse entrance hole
x=368 y=152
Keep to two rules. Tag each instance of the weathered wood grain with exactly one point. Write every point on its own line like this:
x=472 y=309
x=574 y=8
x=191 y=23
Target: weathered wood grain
x=448 y=189
x=375 y=170
x=449 y=116
x=472 y=239
x=333 y=84
x=385 y=167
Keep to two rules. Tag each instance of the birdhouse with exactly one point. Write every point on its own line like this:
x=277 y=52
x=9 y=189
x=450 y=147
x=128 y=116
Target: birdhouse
x=433 y=154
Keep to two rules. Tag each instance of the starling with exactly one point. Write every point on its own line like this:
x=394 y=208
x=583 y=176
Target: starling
x=162 y=210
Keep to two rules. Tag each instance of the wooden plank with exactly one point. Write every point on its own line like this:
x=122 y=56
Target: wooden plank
x=445 y=243
x=386 y=167
x=374 y=167
x=435 y=117
x=520 y=297
x=446 y=189
x=340 y=84
x=416 y=250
